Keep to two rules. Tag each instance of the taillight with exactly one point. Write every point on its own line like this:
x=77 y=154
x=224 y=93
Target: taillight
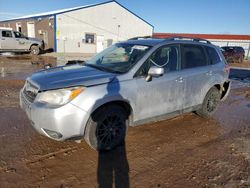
x=227 y=68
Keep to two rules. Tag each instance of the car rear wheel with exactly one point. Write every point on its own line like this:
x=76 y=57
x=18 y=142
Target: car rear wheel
x=210 y=103
x=107 y=128
x=34 y=50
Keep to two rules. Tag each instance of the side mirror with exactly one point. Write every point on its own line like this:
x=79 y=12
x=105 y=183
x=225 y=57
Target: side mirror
x=154 y=72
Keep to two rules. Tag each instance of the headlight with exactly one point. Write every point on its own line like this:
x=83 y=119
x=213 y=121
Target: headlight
x=59 y=97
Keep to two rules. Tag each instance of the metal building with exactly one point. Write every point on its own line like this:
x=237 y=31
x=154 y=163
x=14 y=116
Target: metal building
x=85 y=29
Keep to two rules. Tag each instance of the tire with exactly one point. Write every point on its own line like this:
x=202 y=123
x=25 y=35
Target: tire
x=34 y=50
x=210 y=103
x=107 y=128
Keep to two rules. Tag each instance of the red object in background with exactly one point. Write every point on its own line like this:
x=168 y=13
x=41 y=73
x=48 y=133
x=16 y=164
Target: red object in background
x=233 y=54
x=204 y=36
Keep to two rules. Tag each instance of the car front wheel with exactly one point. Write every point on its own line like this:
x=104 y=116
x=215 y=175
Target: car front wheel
x=107 y=127
x=34 y=50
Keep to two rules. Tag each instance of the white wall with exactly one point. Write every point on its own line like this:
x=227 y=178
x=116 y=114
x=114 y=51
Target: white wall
x=101 y=20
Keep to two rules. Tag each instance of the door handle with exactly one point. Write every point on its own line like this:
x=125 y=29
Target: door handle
x=3 y=39
x=179 y=79
x=17 y=39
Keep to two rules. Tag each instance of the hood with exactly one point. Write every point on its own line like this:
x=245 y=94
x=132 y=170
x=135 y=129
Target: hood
x=69 y=76
x=34 y=39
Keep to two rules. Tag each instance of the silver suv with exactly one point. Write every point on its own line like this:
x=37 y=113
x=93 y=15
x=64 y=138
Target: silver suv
x=129 y=83
x=14 y=41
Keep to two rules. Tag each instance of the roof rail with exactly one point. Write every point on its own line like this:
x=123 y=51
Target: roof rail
x=142 y=37
x=188 y=38
x=172 y=38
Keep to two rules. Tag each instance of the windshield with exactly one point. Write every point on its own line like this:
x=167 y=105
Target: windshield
x=118 y=58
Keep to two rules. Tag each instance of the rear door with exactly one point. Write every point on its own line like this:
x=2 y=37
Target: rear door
x=196 y=74
x=164 y=94
x=7 y=40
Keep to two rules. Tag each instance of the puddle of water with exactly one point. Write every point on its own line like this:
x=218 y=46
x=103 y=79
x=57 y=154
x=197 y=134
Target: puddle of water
x=239 y=83
x=21 y=66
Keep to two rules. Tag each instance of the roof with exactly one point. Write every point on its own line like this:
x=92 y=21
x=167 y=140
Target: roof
x=56 y=12
x=204 y=36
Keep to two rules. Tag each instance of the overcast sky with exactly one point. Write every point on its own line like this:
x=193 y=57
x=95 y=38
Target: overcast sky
x=179 y=16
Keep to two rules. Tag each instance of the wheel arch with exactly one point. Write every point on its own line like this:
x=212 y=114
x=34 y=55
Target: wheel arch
x=33 y=44
x=122 y=103
x=222 y=87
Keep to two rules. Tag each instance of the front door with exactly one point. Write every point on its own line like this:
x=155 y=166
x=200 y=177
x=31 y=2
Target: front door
x=31 y=29
x=164 y=94
x=22 y=43
x=99 y=43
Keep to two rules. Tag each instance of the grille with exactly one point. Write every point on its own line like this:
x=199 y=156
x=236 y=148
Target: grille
x=30 y=92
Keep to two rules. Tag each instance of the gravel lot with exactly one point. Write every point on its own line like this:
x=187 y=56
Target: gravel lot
x=187 y=151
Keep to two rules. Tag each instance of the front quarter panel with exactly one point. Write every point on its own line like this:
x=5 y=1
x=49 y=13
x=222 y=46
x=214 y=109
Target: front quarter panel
x=96 y=96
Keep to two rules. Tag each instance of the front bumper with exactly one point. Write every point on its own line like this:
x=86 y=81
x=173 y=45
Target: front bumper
x=61 y=123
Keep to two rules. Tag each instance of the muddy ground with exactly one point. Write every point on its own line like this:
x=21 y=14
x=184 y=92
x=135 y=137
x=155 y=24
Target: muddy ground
x=245 y=64
x=187 y=151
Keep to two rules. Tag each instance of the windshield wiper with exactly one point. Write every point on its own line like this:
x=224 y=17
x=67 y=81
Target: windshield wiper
x=95 y=66
x=102 y=68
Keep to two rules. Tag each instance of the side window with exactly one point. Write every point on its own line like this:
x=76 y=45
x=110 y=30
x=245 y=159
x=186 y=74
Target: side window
x=166 y=57
x=90 y=38
x=213 y=55
x=7 y=34
x=17 y=34
x=193 y=56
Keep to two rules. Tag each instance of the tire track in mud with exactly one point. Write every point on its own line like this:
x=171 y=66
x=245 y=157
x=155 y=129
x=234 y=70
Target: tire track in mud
x=52 y=155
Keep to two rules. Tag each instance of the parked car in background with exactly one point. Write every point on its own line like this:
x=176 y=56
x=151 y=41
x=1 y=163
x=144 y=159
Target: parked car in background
x=14 y=41
x=129 y=83
x=233 y=54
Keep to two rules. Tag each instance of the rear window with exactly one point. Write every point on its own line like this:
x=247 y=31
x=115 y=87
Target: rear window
x=6 y=34
x=239 y=49
x=214 y=57
x=193 y=56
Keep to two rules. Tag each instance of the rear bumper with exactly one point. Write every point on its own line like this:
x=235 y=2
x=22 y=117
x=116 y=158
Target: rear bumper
x=61 y=123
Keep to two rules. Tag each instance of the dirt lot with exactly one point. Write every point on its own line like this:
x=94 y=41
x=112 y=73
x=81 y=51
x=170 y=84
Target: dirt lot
x=245 y=64
x=187 y=151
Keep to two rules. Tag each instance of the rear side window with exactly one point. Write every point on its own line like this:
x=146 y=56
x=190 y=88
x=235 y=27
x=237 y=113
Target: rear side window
x=213 y=56
x=193 y=56
x=6 y=34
